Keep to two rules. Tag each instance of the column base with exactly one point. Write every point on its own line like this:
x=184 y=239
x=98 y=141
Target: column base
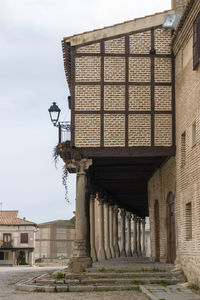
x=93 y=254
x=123 y=253
x=112 y=252
x=101 y=254
x=108 y=253
x=79 y=264
x=129 y=253
x=116 y=249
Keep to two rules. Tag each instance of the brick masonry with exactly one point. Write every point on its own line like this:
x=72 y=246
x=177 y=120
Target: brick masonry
x=116 y=46
x=93 y=48
x=162 y=41
x=163 y=98
x=139 y=69
x=100 y=86
x=114 y=133
x=114 y=97
x=163 y=69
x=163 y=129
x=87 y=68
x=140 y=43
x=139 y=130
x=160 y=186
x=87 y=130
x=114 y=69
x=88 y=97
x=139 y=98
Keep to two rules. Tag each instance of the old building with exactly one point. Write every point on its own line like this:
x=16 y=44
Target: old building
x=55 y=239
x=135 y=137
x=17 y=239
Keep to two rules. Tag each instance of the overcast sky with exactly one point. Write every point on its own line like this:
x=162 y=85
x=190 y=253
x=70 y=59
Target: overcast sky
x=31 y=77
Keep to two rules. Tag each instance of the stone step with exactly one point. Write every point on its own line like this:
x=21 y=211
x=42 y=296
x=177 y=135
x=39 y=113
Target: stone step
x=123 y=275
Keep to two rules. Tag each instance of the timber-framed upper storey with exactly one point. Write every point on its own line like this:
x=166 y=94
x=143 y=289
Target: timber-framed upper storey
x=123 y=94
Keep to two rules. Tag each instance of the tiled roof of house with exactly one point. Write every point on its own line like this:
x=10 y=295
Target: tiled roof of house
x=66 y=223
x=10 y=217
x=183 y=18
x=121 y=23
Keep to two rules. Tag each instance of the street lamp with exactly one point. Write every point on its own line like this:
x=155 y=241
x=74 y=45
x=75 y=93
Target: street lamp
x=54 y=112
x=64 y=128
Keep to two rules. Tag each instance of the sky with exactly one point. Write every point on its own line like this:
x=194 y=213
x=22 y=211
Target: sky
x=31 y=78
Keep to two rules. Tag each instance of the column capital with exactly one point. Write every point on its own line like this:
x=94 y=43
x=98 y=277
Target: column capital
x=115 y=209
x=92 y=197
x=143 y=221
x=128 y=215
x=135 y=218
x=122 y=212
x=100 y=199
x=79 y=166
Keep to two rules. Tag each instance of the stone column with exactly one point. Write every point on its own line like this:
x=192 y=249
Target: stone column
x=139 y=237
x=128 y=218
x=135 y=250
x=107 y=233
x=101 y=251
x=13 y=258
x=115 y=231
x=111 y=231
x=143 y=237
x=81 y=259
x=31 y=260
x=93 y=252
x=123 y=250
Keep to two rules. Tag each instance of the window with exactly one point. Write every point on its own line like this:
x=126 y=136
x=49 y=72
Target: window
x=188 y=214
x=194 y=134
x=24 y=238
x=7 y=238
x=183 y=150
x=196 y=42
x=1 y=255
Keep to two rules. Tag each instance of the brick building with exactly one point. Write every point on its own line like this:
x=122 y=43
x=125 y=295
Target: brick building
x=129 y=84
x=17 y=237
x=55 y=239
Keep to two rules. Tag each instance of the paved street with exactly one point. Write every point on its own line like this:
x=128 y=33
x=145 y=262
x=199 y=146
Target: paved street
x=10 y=275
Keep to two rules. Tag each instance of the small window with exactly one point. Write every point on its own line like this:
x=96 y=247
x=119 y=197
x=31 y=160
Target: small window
x=194 y=134
x=6 y=255
x=24 y=238
x=183 y=150
x=196 y=42
x=188 y=221
x=6 y=238
x=1 y=255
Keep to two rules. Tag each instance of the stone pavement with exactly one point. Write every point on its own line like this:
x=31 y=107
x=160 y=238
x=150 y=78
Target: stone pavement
x=171 y=292
x=10 y=275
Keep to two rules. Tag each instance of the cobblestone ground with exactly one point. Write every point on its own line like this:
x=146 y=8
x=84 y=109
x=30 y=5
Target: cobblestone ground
x=10 y=275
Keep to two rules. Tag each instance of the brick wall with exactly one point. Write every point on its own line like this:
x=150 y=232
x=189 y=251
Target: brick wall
x=140 y=43
x=163 y=129
x=139 y=130
x=162 y=41
x=87 y=68
x=100 y=86
x=93 y=48
x=88 y=97
x=139 y=69
x=114 y=133
x=87 y=130
x=163 y=69
x=115 y=46
x=163 y=98
x=114 y=69
x=114 y=97
x=139 y=97
x=188 y=174
x=159 y=186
